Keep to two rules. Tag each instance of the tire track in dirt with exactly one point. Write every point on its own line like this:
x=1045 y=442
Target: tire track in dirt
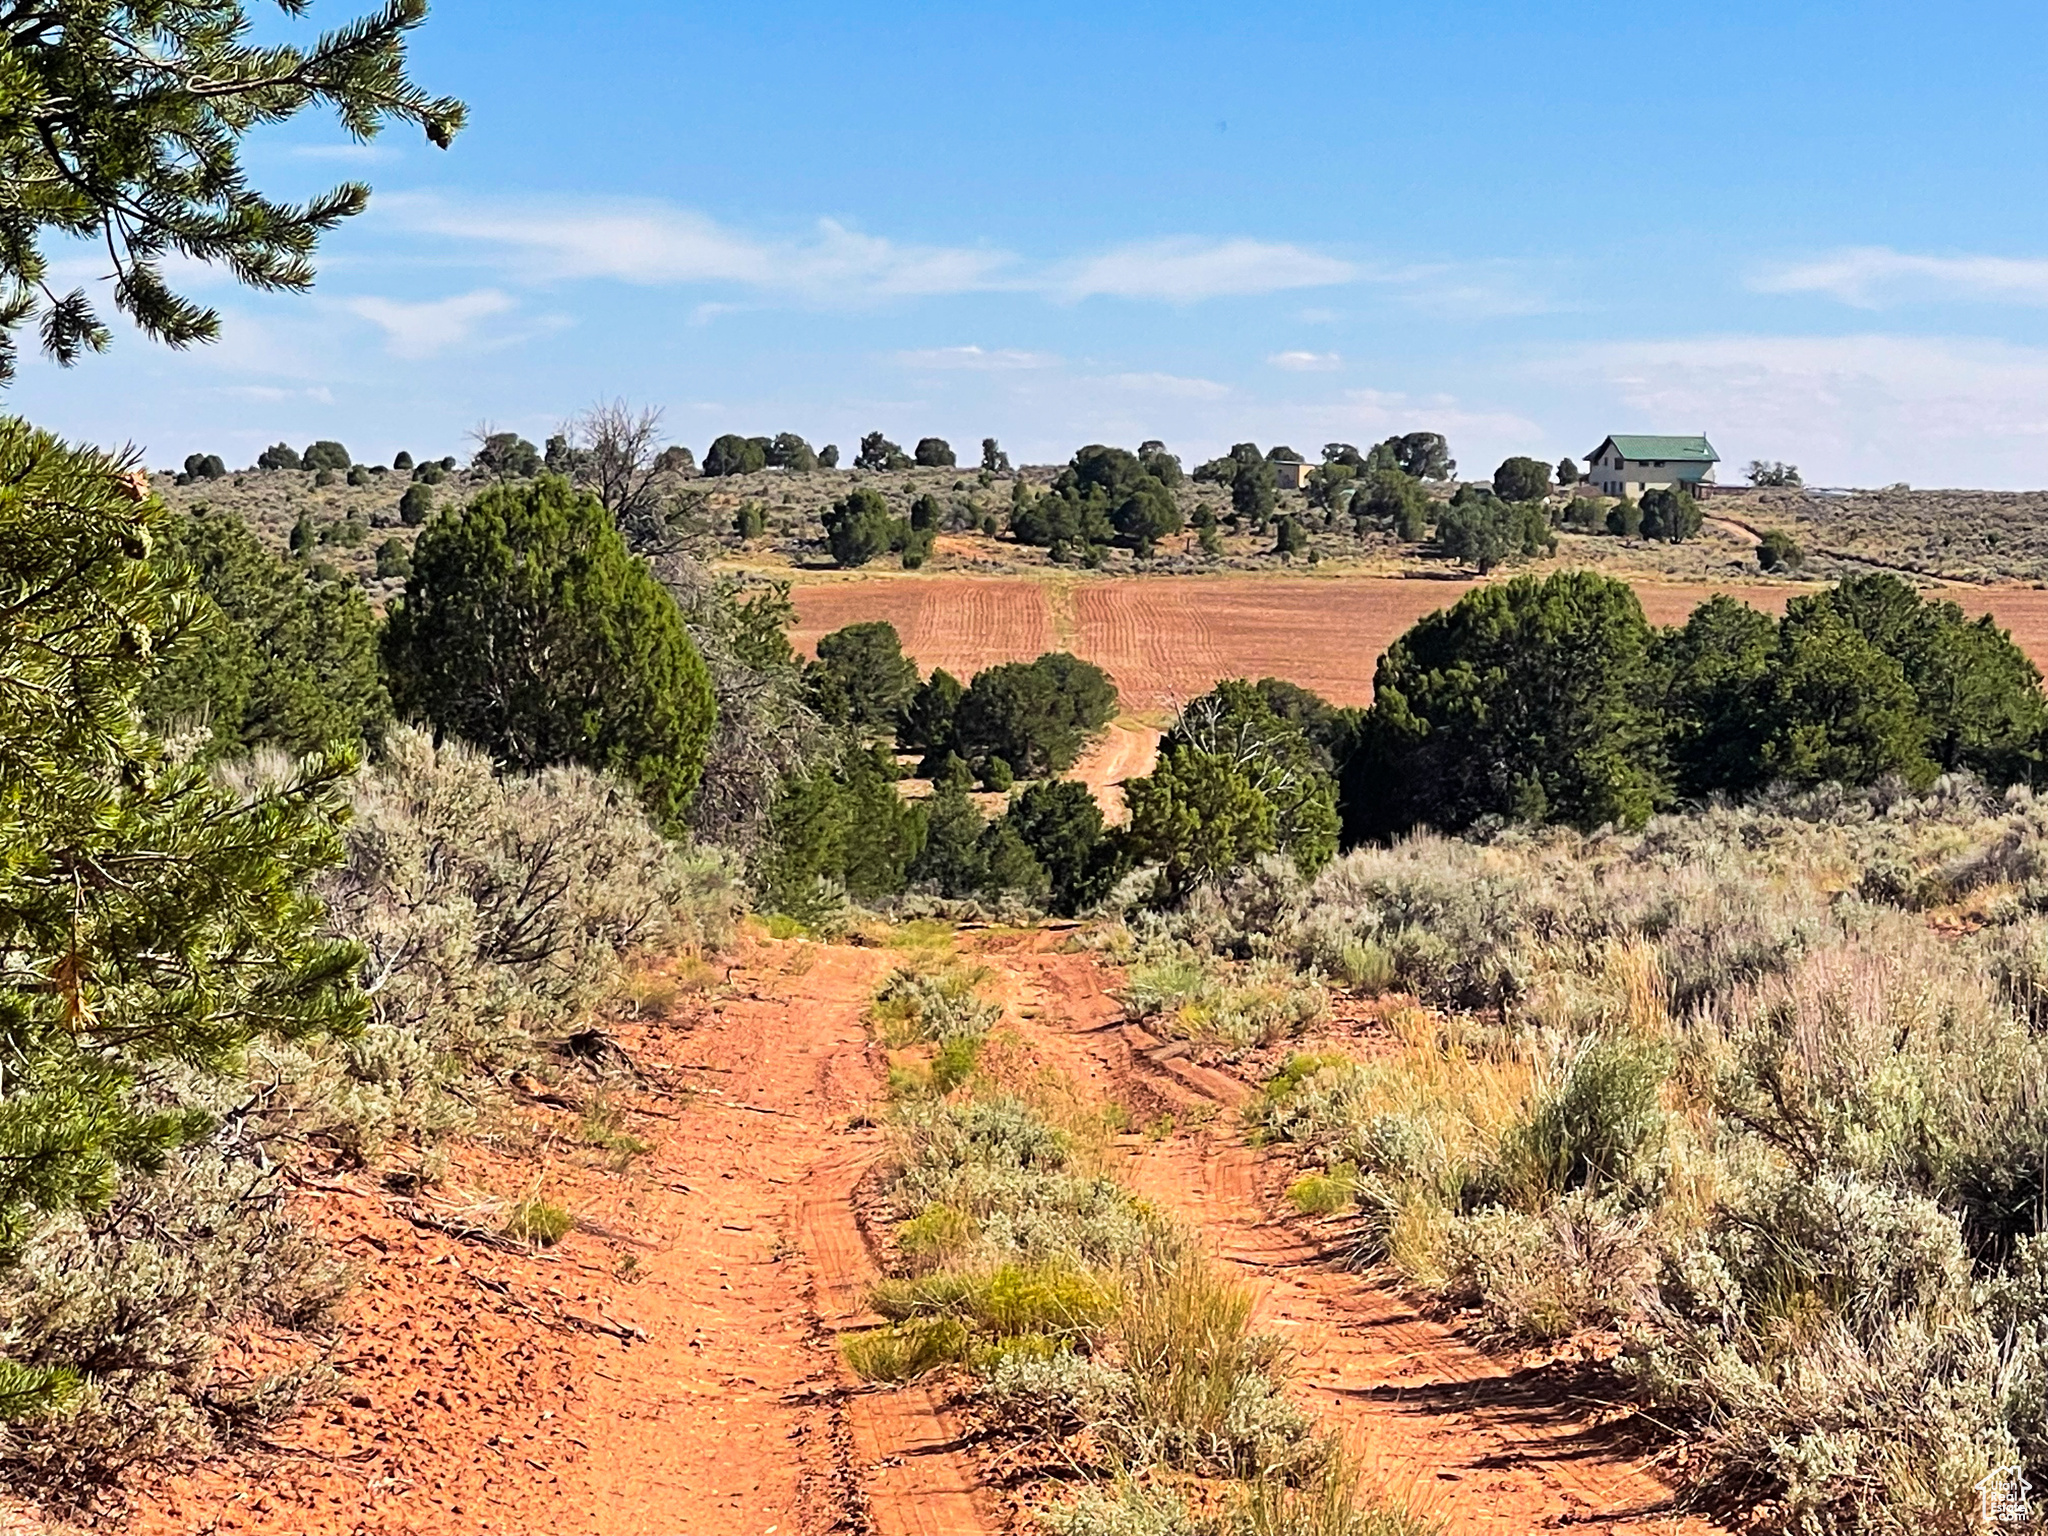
x=1478 y=1439
x=669 y=1368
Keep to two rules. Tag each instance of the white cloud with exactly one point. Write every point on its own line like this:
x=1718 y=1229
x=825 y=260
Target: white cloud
x=1871 y=276
x=976 y=359
x=1170 y=385
x=420 y=330
x=1186 y=269
x=1477 y=290
x=654 y=244
x=1306 y=362
x=1859 y=410
x=270 y=394
x=354 y=153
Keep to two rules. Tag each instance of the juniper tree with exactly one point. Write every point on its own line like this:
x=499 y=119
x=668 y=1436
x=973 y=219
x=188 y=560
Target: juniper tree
x=528 y=628
x=147 y=916
x=291 y=663
x=121 y=124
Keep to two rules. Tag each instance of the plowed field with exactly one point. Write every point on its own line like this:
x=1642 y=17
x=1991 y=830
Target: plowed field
x=1165 y=639
x=961 y=624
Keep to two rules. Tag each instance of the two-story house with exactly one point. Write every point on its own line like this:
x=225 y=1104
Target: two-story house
x=1631 y=465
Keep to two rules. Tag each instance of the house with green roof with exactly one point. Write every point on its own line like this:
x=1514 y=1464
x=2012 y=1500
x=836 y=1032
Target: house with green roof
x=1632 y=464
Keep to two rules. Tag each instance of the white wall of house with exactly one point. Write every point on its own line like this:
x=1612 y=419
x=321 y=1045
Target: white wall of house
x=1614 y=475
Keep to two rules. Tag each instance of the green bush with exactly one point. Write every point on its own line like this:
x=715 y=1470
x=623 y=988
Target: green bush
x=537 y=1222
x=1777 y=550
x=731 y=454
x=1034 y=715
x=528 y=628
x=279 y=660
x=861 y=677
x=1533 y=699
x=1597 y=1124
x=836 y=828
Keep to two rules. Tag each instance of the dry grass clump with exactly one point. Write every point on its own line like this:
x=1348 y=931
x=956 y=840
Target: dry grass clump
x=1236 y=1007
x=1334 y=1501
x=1723 y=1089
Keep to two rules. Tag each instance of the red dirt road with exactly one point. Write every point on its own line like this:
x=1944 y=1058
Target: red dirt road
x=677 y=1377
x=670 y=1369
x=1166 y=639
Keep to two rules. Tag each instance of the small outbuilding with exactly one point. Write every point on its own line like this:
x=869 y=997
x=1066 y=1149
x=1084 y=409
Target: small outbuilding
x=1291 y=474
x=1632 y=464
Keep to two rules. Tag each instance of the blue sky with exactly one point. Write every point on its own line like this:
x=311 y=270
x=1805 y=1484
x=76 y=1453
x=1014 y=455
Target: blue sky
x=1818 y=232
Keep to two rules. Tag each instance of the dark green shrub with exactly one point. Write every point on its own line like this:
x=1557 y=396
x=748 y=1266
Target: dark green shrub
x=1528 y=699
x=1777 y=550
x=839 y=824
x=394 y=560
x=1625 y=519
x=326 y=454
x=1522 y=479
x=1034 y=715
x=731 y=454
x=1670 y=513
x=790 y=452
x=927 y=723
x=859 y=528
x=935 y=453
x=861 y=677
x=415 y=505
x=878 y=453
x=952 y=861
x=1061 y=824
x=528 y=628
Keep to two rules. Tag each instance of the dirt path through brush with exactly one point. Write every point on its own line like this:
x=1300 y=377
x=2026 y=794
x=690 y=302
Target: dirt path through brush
x=1482 y=1440
x=1127 y=750
x=669 y=1368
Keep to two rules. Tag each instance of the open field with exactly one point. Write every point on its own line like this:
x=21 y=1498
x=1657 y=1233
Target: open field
x=1166 y=639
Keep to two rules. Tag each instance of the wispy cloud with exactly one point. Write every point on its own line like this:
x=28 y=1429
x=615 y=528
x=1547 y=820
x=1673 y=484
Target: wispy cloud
x=420 y=330
x=1872 y=276
x=1306 y=362
x=832 y=264
x=655 y=244
x=976 y=359
x=1171 y=385
x=1185 y=270
x=352 y=153
x=270 y=394
x=1466 y=290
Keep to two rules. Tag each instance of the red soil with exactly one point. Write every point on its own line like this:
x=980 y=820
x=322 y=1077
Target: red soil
x=961 y=624
x=668 y=1371
x=1166 y=639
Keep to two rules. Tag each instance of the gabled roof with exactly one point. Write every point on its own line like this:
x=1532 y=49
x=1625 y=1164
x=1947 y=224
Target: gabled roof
x=1687 y=450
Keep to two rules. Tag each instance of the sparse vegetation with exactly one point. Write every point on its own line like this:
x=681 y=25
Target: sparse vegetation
x=1676 y=1084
